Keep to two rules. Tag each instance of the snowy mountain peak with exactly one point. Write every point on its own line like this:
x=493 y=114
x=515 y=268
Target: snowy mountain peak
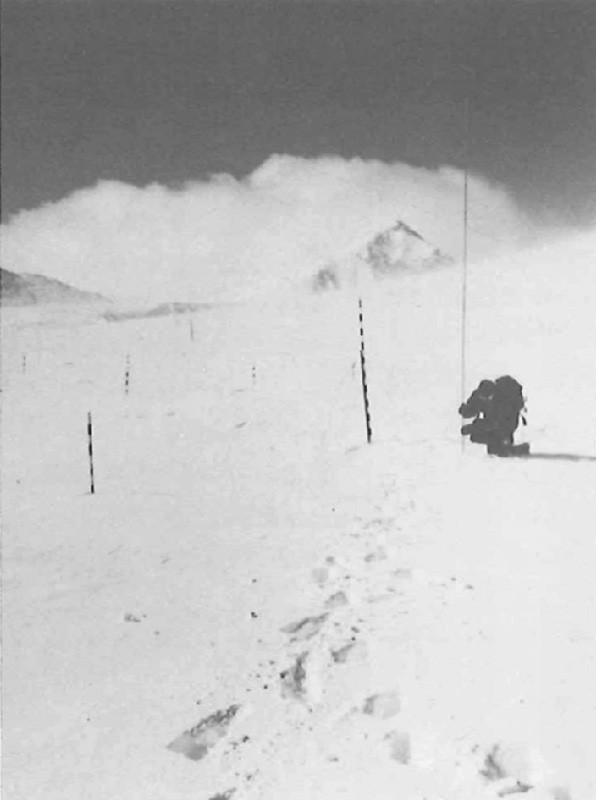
x=394 y=250
x=400 y=248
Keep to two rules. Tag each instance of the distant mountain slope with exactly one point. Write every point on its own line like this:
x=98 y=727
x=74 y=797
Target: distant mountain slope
x=28 y=290
x=161 y=310
x=395 y=250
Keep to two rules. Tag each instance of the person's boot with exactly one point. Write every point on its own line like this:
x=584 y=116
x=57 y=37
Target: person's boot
x=496 y=448
x=505 y=449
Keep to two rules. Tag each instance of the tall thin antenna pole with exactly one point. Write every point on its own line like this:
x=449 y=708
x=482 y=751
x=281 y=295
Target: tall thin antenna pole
x=464 y=288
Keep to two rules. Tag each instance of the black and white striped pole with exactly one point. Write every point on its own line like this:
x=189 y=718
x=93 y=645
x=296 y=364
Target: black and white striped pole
x=127 y=375
x=363 y=374
x=90 y=447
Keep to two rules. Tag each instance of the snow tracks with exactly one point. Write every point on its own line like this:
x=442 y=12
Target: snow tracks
x=350 y=705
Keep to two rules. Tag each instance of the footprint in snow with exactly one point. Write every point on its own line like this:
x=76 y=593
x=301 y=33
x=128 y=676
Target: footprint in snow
x=305 y=628
x=400 y=747
x=303 y=680
x=336 y=600
x=322 y=575
x=383 y=705
x=350 y=652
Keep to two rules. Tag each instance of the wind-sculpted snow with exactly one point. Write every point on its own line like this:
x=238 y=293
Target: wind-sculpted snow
x=255 y=603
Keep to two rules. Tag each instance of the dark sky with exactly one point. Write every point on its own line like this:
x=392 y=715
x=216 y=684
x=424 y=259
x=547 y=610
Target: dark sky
x=144 y=90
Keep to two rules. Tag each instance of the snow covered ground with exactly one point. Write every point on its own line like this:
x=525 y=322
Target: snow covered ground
x=256 y=604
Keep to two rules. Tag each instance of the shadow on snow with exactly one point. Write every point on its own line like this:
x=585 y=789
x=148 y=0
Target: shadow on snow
x=560 y=457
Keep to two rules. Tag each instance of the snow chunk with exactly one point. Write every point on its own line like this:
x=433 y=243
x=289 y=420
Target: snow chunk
x=196 y=742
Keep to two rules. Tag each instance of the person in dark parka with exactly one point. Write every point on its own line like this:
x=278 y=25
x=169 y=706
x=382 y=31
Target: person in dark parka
x=496 y=407
x=478 y=406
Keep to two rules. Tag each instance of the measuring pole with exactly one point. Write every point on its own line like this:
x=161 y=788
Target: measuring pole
x=90 y=446
x=363 y=374
x=127 y=374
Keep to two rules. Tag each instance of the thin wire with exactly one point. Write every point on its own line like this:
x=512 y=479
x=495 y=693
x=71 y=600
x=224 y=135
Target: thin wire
x=464 y=288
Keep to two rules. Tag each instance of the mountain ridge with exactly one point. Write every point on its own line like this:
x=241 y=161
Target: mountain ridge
x=28 y=289
x=395 y=250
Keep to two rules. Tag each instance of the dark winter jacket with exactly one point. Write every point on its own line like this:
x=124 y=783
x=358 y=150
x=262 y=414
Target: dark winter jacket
x=498 y=404
x=478 y=403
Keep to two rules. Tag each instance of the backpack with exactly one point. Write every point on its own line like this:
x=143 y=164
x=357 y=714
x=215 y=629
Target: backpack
x=510 y=394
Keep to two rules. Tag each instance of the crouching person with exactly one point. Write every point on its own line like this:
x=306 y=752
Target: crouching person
x=496 y=407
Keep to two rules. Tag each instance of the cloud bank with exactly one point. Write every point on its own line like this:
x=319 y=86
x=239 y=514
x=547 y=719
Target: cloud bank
x=228 y=238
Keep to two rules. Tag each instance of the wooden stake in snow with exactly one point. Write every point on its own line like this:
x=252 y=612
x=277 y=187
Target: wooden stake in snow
x=90 y=445
x=363 y=374
x=127 y=374
x=192 y=330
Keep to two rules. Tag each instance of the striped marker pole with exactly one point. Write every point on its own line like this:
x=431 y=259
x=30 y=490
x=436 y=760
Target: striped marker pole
x=90 y=446
x=127 y=375
x=192 y=329
x=24 y=363
x=363 y=374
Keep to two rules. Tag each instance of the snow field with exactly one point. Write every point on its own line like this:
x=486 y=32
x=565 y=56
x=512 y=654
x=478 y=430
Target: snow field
x=402 y=619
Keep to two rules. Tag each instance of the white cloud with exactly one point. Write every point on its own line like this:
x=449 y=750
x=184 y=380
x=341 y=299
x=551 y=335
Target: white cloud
x=225 y=238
